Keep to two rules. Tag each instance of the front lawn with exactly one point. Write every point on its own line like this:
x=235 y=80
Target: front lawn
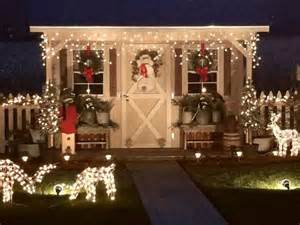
x=250 y=194
x=46 y=208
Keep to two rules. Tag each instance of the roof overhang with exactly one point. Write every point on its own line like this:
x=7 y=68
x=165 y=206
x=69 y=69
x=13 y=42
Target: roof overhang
x=149 y=28
x=150 y=33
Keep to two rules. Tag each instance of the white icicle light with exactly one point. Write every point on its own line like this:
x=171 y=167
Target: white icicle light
x=89 y=178
x=284 y=137
x=11 y=172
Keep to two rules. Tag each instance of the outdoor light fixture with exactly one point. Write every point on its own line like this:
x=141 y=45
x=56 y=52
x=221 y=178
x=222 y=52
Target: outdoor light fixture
x=203 y=90
x=108 y=157
x=275 y=153
x=173 y=135
x=239 y=154
x=67 y=157
x=286 y=183
x=25 y=158
x=198 y=155
x=58 y=188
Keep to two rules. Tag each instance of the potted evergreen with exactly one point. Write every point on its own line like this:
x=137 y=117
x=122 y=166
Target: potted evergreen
x=218 y=109
x=186 y=108
x=204 y=110
x=103 y=109
x=86 y=108
x=264 y=139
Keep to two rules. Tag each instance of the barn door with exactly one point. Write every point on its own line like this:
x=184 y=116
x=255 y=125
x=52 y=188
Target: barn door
x=144 y=99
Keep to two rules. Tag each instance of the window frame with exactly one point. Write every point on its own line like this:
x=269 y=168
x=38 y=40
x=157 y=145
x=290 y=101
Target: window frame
x=201 y=84
x=104 y=74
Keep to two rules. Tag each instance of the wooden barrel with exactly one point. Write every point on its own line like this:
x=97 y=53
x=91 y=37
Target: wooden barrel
x=231 y=139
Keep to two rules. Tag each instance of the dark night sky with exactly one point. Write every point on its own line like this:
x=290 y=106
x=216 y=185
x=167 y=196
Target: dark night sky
x=280 y=49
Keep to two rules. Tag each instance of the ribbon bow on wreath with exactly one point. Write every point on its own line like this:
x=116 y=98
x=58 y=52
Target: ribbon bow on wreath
x=202 y=63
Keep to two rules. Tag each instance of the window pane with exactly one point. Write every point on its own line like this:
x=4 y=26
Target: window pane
x=79 y=78
x=194 y=88
x=96 y=89
x=193 y=77
x=98 y=78
x=80 y=89
x=212 y=77
x=210 y=87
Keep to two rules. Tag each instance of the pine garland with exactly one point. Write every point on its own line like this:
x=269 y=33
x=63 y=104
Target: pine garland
x=249 y=115
x=49 y=109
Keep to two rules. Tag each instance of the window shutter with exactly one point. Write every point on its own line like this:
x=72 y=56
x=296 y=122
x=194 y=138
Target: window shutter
x=113 y=72
x=63 y=68
x=178 y=72
x=227 y=72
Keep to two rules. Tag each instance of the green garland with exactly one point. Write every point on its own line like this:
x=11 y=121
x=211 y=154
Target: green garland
x=157 y=62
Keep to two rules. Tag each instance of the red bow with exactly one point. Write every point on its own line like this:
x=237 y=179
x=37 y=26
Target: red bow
x=88 y=73
x=143 y=70
x=203 y=73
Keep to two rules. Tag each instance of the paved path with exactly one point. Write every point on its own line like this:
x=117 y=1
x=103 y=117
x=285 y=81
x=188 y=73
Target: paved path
x=170 y=197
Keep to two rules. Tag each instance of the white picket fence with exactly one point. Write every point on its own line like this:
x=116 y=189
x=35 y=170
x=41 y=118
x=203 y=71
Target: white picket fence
x=279 y=103
x=15 y=113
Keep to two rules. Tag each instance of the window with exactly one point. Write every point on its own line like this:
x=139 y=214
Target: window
x=82 y=59
x=194 y=80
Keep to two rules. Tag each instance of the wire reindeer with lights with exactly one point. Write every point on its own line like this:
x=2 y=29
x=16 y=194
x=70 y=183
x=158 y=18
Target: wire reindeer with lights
x=89 y=178
x=11 y=172
x=284 y=137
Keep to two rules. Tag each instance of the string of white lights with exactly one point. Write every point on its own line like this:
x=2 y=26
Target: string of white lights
x=89 y=178
x=11 y=172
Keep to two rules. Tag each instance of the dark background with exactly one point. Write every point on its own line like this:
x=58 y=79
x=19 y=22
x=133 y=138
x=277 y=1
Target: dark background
x=20 y=65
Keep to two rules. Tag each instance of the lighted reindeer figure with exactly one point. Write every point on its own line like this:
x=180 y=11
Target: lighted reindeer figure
x=89 y=178
x=284 y=137
x=11 y=172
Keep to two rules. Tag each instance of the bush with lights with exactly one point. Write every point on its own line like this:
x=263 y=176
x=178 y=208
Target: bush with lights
x=49 y=109
x=249 y=115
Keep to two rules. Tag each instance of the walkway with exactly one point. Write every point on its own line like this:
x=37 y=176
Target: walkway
x=170 y=197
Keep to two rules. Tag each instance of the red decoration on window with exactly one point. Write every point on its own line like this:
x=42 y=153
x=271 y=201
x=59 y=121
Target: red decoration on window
x=88 y=70
x=143 y=70
x=202 y=68
x=203 y=73
x=88 y=73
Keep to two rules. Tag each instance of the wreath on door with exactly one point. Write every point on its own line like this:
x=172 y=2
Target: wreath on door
x=144 y=60
x=202 y=62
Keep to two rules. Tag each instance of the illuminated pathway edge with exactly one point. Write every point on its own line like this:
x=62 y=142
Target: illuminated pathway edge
x=170 y=197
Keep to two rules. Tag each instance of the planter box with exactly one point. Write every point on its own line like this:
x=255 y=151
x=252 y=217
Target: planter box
x=33 y=150
x=187 y=117
x=264 y=143
x=103 y=118
x=231 y=139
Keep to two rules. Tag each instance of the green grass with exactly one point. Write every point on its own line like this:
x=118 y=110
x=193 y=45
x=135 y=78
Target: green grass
x=250 y=194
x=46 y=208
